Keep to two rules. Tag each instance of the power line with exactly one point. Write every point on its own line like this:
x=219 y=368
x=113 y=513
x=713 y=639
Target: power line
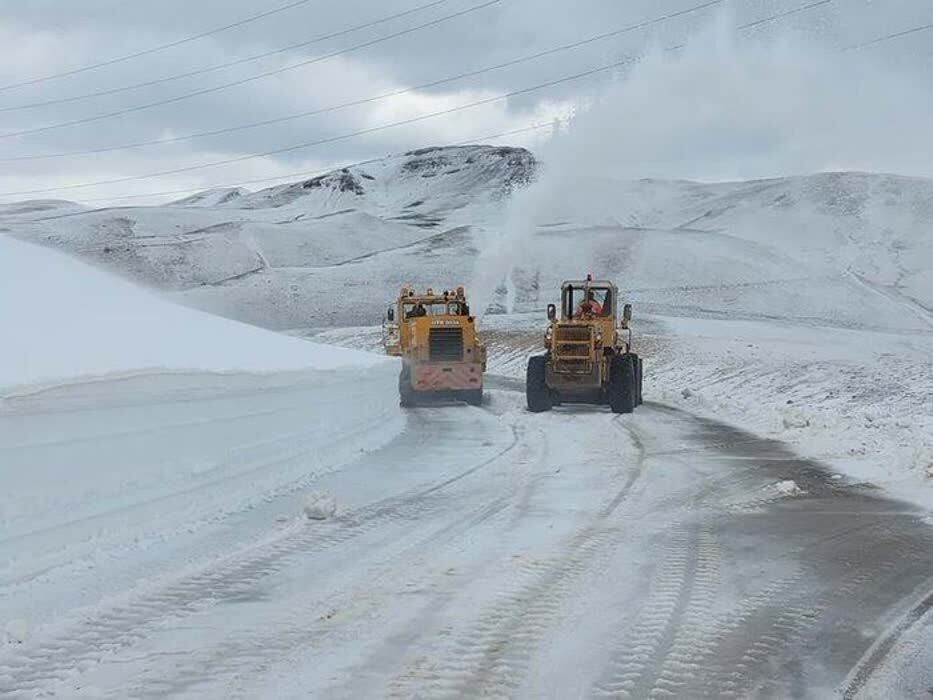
x=333 y=139
x=889 y=37
x=382 y=96
x=769 y=19
x=243 y=81
x=229 y=64
x=161 y=47
x=787 y=13
x=305 y=174
x=565 y=79
x=342 y=137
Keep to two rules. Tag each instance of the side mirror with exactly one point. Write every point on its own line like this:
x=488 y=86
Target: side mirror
x=627 y=312
x=390 y=314
x=551 y=312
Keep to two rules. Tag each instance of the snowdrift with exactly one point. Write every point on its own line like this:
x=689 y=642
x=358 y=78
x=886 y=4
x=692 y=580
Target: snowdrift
x=64 y=320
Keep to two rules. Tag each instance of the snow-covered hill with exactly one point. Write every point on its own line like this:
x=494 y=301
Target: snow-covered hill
x=269 y=257
x=845 y=249
x=849 y=249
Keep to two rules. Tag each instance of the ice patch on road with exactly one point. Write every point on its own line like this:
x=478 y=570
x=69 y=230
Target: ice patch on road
x=319 y=505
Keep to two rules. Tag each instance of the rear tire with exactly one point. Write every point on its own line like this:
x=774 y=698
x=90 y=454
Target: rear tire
x=406 y=393
x=622 y=383
x=474 y=397
x=537 y=392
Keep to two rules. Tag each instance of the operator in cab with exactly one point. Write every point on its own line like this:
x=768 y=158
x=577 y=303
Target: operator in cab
x=590 y=306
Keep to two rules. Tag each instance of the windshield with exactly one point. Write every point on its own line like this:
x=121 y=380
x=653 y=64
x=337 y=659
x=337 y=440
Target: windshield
x=449 y=308
x=594 y=302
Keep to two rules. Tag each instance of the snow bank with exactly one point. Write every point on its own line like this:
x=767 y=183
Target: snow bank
x=859 y=400
x=63 y=320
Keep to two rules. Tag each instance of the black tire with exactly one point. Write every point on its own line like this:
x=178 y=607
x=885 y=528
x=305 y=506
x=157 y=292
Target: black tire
x=622 y=383
x=536 y=389
x=638 y=378
x=406 y=392
x=641 y=381
x=474 y=397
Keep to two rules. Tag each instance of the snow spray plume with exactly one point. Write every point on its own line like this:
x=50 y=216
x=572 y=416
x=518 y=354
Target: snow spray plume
x=725 y=107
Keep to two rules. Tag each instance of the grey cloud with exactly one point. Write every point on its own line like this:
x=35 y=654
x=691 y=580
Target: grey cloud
x=48 y=35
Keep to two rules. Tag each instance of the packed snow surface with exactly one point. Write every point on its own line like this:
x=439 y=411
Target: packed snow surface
x=63 y=319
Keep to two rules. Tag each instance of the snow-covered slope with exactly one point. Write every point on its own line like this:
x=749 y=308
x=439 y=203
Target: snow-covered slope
x=225 y=237
x=849 y=250
x=64 y=320
x=846 y=249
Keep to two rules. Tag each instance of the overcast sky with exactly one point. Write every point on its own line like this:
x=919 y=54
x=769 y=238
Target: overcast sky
x=40 y=38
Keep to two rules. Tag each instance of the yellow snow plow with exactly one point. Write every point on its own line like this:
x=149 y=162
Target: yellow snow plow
x=436 y=337
x=588 y=356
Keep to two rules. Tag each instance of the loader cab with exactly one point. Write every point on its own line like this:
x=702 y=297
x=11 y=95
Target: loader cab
x=587 y=299
x=440 y=307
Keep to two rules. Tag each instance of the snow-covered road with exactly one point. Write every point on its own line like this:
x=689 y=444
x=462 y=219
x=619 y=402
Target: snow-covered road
x=475 y=552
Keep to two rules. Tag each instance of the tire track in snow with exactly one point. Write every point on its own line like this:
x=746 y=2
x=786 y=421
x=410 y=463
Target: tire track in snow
x=491 y=659
x=250 y=655
x=765 y=634
x=130 y=621
x=298 y=449
x=749 y=645
x=657 y=657
x=368 y=675
x=876 y=656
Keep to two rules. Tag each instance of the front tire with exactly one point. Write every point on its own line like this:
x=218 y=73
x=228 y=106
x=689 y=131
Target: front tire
x=622 y=383
x=537 y=392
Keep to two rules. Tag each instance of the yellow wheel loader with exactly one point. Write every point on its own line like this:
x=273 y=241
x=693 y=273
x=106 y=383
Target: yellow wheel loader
x=588 y=352
x=436 y=337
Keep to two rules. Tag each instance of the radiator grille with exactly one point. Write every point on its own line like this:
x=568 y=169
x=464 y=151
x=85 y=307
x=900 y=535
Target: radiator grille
x=573 y=348
x=446 y=344
x=574 y=333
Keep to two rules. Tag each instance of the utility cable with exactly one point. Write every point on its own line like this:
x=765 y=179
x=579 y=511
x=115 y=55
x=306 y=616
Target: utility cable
x=373 y=98
x=243 y=81
x=228 y=64
x=157 y=49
